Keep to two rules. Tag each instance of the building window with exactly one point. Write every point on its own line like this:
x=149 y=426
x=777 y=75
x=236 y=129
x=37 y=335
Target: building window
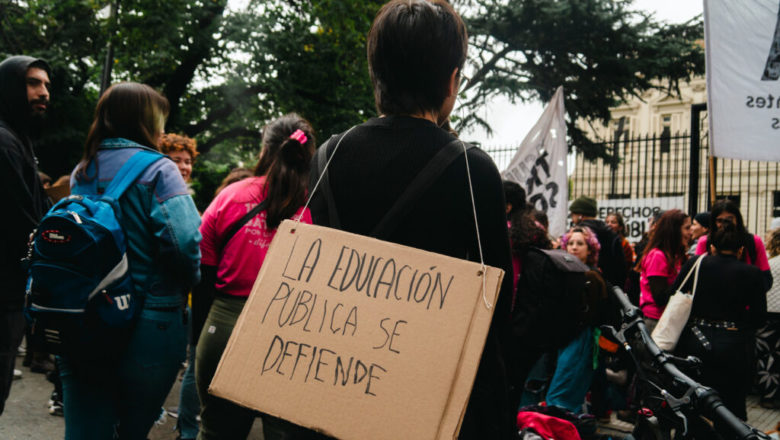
x=736 y=198
x=666 y=132
x=775 y=204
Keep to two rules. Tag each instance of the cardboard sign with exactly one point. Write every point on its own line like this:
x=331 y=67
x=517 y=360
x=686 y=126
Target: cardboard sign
x=359 y=338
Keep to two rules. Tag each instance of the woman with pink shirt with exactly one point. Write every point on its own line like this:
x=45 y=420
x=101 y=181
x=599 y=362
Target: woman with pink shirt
x=726 y=211
x=231 y=263
x=661 y=262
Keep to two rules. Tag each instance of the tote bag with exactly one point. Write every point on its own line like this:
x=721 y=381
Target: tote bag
x=669 y=328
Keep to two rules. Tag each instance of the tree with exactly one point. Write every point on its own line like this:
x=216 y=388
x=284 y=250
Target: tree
x=225 y=72
x=601 y=51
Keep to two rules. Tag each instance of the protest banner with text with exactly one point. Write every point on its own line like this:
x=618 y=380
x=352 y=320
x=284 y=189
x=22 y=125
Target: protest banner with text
x=638 y=212
x=359 y=338
x=742 y=42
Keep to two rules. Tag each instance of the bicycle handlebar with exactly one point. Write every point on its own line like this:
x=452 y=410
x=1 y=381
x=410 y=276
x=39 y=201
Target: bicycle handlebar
x=705 y=400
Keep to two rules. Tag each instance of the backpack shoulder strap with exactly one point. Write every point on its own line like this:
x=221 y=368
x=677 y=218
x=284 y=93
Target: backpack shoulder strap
x=130 y=171
x=239 y=224
x=320 y=159
x=424 y=179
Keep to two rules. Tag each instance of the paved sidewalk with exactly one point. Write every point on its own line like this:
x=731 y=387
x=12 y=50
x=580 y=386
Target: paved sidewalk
x=27 y=415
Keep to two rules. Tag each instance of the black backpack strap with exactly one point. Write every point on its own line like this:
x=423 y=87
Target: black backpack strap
x=321 y=159
x=240 y=223
x=424 y=179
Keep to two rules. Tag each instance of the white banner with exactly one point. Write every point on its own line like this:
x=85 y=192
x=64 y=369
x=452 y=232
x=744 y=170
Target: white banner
x=743 y=78
x=637 y=212
x=539 y=165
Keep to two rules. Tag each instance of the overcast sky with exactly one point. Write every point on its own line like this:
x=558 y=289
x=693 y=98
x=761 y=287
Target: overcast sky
x=511 y=123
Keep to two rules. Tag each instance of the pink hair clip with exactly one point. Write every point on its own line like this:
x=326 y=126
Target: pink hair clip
x=299 y=136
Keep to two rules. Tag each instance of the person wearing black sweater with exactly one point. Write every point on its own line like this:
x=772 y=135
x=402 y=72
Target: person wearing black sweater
x=728 y=305
x=416 y=50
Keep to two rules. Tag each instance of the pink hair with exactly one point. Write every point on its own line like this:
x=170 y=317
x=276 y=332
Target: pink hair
x=590 y=240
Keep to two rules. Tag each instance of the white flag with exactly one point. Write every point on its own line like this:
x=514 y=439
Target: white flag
x=743 y=78
x=539 y=165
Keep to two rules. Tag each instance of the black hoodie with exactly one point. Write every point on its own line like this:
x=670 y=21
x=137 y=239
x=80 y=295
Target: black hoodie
x=612 y=261
x=20 y=187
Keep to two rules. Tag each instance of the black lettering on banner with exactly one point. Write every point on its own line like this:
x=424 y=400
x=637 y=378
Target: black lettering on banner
x=308 y=263
x=289 y=257
x=389 y=335
x=298 y=357
x=320 y=363
x=352 y=371
x=268 y=354
x=277 y=297
x=390 y=263
x=336 y=269
x=371 y=376
x=395 y=333
x=540 y=200
x=772 y=67
x=316 y=246
x=285 y=354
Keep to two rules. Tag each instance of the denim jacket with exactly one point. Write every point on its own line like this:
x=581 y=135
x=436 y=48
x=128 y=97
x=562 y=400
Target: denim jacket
x=159 y=219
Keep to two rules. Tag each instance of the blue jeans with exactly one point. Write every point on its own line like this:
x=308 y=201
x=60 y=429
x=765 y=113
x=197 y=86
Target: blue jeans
x=125 y=401
x=573 y=373
x=189 y=404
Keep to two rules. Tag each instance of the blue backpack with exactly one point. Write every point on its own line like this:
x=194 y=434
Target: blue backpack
x=80 y=299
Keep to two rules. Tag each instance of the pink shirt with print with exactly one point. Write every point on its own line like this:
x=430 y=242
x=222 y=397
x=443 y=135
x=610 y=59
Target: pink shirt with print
x=762 y=262
x=654 y=264
x=243 y=255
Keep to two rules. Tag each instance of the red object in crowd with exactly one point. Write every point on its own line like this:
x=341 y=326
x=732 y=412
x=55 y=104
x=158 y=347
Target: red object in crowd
x=547 y=426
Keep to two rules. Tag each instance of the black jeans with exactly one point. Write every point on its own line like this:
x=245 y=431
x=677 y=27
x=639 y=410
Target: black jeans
x=724 y=366
x=11 y=333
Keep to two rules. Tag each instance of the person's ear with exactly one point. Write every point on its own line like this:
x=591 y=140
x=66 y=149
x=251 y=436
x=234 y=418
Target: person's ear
x=454 y=83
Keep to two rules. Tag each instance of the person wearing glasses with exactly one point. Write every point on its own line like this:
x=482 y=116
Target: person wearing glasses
x=726 y=211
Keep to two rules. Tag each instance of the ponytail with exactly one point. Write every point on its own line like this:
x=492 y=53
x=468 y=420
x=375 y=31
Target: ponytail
x=288 y=146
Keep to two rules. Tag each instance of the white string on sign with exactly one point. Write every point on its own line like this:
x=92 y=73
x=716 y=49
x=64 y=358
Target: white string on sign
x=322 y=174
x=483 y=271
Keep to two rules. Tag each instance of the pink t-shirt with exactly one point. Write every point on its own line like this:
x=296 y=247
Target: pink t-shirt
x=654 y=264
x=762 y=262
x=243 y=255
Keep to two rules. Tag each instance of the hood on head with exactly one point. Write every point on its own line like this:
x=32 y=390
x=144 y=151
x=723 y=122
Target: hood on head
x=13 y=89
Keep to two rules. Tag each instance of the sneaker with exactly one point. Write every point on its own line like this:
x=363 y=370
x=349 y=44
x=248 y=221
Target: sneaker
x=55 y=404
x=56 y=409
x=17 y=374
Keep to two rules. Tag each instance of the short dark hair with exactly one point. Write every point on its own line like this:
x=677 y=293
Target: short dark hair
x=514 y=194
x=727 y=238
x=413 y=47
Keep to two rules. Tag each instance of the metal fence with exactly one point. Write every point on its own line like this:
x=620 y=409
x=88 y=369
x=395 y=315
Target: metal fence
x=660 y=166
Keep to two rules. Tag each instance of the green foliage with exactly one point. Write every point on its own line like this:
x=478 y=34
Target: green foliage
x=601 y=51
x=67 y=34
x=225 y=72
x=228 y=72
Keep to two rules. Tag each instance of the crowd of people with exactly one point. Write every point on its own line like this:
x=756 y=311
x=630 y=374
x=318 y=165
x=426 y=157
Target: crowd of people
x=195 y=271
